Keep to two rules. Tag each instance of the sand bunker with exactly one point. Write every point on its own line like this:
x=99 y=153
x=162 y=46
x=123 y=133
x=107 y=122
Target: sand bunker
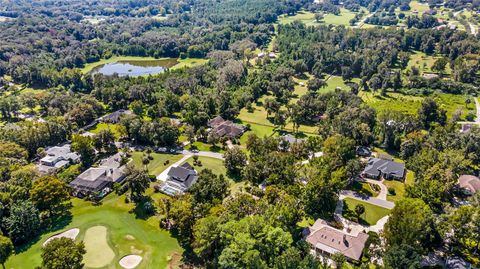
x=130 y=261
x=72 y=234
x=99 y=253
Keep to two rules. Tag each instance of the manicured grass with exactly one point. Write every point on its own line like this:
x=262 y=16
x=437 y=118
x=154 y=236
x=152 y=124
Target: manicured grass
x=334 y=82
x=399 y=186
x=217 y=166
x=127 y=235
x=259 y=130
x=201 y=146
x=372 y=212
x=342 y=19
x=308 y=18
x=157 y=165
x=363 y=188
x=106 y=126
x=99 y=253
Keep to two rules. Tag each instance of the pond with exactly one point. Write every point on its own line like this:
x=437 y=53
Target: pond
x=135 y=68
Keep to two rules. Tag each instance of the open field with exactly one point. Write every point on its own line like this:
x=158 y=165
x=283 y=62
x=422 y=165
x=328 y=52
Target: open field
x=372 y=212
x=99 y=252
x=308 y=18
x=106 y=126
x=181 y=62
x=410 y=104
x=157 y=165
x=425 y=62
x=126 y=235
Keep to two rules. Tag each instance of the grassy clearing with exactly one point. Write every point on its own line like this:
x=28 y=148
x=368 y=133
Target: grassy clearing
x=189 y=62
x=201 y=146
x=425 y=62
x=372 y=212
x=158 y=164
x=106 y=126
x=127 y=235
x=307 y=17
x=410 y=104
x=342 y=19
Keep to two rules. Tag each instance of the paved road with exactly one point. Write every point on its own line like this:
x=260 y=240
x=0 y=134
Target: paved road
x=210 y=154
x=364 y=198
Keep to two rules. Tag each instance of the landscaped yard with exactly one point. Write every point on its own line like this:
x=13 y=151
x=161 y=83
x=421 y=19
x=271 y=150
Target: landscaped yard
x=218 y=168
x=158 y=164
x=106 y=126
x=372 y=212
x=363 y=188
x=126 y=235
x=399 y=187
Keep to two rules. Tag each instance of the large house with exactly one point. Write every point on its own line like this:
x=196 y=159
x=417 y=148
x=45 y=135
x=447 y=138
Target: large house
x=225 y=128
x=114 y=117
x=468 y=184
x=56 y=158
x=180 y=179
x=100 y=179
x=326 y=241
x=377 y=168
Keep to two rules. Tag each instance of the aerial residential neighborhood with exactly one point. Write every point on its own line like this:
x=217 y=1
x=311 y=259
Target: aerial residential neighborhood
x=232 y=134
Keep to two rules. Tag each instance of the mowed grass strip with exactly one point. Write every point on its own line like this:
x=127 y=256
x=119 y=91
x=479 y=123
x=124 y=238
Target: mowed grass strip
x=158 y=164
x=372 y=212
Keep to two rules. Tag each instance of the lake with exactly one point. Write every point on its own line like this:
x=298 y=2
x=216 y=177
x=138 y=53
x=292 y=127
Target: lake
x=135 y=68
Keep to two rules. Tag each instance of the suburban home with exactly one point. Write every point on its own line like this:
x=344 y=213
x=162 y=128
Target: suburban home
x=363 y=151
x=114 y=117
x=468 y=184
x=225 y=128
x=180 y=179
x=101 y=178
x=377 y=168
x=457 y=263
x=56 y=158
x=326 y=241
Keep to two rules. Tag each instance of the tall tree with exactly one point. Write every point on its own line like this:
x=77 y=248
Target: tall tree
x=63 y=253
x=6 y=249
x=235 y=160
x=83 y=145
x=50 y=195
x=137 y=181
x=23 y=223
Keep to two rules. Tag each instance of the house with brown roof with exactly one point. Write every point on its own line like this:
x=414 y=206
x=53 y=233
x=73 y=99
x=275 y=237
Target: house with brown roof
x=326 y=241
x=225 y=128
x=469 y=184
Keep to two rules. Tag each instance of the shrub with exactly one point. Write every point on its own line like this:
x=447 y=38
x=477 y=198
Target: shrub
x=391 y=191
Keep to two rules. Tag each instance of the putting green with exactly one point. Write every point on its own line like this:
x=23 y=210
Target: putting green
x=99 y=253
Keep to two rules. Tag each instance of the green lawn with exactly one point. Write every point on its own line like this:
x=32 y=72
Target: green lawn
x=342 y=19
x=127 y=235
x=307 y=17
x=106 y=126
x=156 y=166
x=363 y=188
x=425 y=62
x=218 y=168
x=372 y=212
x=201 y=146
x=189 y=62
x=399 y=186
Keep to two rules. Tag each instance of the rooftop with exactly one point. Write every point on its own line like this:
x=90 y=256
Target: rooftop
x=377 y=167
x=470 y=183
x=331 y=240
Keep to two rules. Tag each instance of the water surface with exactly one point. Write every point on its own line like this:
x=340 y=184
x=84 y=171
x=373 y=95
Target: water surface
x=135 y=68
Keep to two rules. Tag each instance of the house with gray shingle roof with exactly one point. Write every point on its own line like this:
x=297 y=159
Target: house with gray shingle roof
x=56 y=158
x=180 y=179
x=377 y=168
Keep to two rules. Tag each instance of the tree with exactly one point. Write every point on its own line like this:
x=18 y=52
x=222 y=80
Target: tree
x=50 y=194
x=359 y=210
x=339 y=259
x=6 y=249
x=63 y=253
x=411 y=223
x=430 y=112
x=440 y=65
x=209 y=188
x=23 y=223
x=235 y=160
x=402 y=256
x=137 y=181
x=315 y=84
x=83 y=145
x=105 y=141
x=318 y=17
